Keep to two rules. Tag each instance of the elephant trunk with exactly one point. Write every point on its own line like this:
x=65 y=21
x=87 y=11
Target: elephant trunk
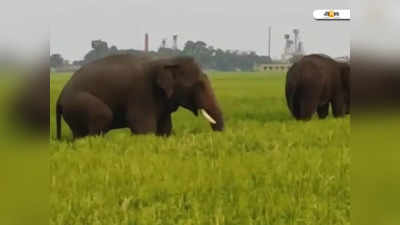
x=214 y=116
x=217 y=116
x=209 y=109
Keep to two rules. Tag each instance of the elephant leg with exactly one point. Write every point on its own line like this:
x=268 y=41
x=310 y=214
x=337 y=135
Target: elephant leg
x=79 y=131
x=323 y=111
x=76 y=123
x=307 y=109
x=100 y=118
x=87 y=115
x=304 y=104
x=295 y=109
x=164 y=126
x=338 y=106
x=142 y=123
x=307 y=106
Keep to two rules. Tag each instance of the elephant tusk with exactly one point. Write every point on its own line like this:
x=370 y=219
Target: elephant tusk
x=208 y=117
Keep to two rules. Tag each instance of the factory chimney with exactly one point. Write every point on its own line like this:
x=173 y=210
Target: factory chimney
x=146 y=42
x=164 y=43
x=175 y=42
x=269 y=42
x=296 y=38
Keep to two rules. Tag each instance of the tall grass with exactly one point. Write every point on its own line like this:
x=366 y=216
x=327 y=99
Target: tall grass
x=265 y=168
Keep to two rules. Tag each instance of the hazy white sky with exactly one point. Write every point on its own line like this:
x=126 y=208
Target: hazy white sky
x=225 y=24
x=376 y=26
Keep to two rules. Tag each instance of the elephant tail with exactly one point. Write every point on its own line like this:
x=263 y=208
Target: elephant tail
x=58 y=119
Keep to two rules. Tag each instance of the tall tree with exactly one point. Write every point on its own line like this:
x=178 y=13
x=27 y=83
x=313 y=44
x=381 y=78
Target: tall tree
x=56 y=60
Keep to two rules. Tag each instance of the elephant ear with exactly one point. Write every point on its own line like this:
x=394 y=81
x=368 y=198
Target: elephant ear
x=165 y=79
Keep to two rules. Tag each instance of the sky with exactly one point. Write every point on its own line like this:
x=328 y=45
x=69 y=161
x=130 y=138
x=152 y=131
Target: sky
x=376 y=28
x=225 y=24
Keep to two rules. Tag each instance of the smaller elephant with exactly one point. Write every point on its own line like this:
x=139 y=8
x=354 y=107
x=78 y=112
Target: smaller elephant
x=315 y=82
x=139 y=93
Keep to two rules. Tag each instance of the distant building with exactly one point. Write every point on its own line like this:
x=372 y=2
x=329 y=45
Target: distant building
x=294 y=47
x=343 y=59
x=273 y=67
x=65 y=68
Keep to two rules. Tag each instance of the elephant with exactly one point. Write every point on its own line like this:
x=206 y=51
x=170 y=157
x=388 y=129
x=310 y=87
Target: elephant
x=135 y=92
x=313 y=83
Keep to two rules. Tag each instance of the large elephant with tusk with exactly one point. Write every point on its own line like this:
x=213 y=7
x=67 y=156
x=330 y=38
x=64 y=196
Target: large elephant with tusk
x=135 y=92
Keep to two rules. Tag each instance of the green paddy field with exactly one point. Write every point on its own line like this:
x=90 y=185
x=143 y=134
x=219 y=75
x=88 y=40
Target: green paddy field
x=265 y=168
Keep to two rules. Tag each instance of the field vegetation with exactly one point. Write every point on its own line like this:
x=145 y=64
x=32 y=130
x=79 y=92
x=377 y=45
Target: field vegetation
x=265 y=168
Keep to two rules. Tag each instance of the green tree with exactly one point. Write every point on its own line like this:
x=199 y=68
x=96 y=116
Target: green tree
x=56 y=60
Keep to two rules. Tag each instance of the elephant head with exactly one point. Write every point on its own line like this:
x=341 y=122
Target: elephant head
x=182 y=83
x=345 y=78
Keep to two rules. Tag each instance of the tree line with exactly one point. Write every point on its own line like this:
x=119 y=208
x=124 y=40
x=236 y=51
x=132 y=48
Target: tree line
x=206 y=55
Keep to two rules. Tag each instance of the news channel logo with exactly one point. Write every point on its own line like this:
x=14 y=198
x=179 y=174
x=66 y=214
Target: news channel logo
x=332 y=14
